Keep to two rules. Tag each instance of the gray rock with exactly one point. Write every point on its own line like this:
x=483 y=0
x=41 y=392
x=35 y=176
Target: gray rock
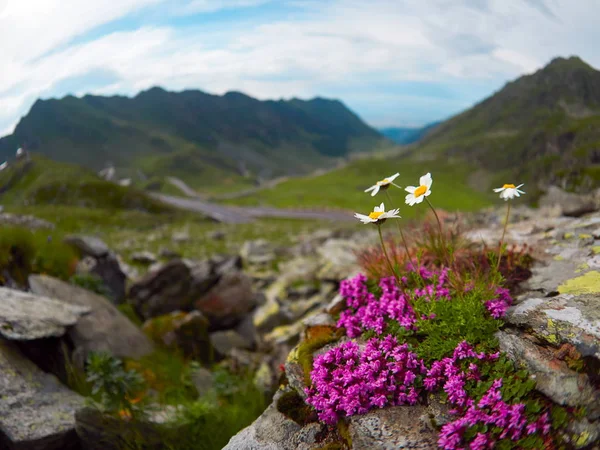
x=25 y=316
x=88 y=245
x=572 y=205
x=36 y=411
x=583 y=433
x=273 y=431
x=181 y=236
x=144 y=257
x=225 y=341
x=229 y=301
x=553 y=377
x=174 y=287
x=259 y=252
x=392 y=428
x=105 y=264
x=203 y=380
x=105 y=328
x=168 y=253
x=339 y=259
x=566 y=318
x=31 y=222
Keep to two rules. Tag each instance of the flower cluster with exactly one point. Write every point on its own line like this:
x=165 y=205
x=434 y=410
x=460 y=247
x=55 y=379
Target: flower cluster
x=490 y=412
x=366 y=312
x=352 y=380
x=498 y=306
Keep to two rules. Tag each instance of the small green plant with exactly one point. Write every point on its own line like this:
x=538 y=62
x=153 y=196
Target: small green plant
x=91 y=282
x=117 y=390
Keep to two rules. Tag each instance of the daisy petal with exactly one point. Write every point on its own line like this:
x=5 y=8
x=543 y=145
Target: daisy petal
x=410 y=189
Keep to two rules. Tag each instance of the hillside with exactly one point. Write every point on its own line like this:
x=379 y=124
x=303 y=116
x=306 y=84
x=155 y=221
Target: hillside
x=541 y=128
x=201 y=138
x=405 y=135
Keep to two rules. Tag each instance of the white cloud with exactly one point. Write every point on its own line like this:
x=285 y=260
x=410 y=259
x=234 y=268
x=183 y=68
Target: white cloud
x=339 y=43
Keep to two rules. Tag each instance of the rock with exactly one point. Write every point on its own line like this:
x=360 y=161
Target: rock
x=553 y=378
x=181 y=236
x=284 y=334
x=274 y=431
x=336 y=305
x=227 y=302
x=168 y=253
x=25 y=316
x=339 y=259
x=88 y=245
x=216 y=235
x=30 y=222
x=566 y=318
x=392 y=428
x=572 y=205
x=259 y=252
x=145 y=258
x=105 y=264
x=583 y=433
x=264 y=379
x=36 y=411
x=186 y=332
x=203 y=380
x=173 y=287
x=223 y=264
x=104 y=328
x=99 y=431
x=224 y=341
x=269 y=316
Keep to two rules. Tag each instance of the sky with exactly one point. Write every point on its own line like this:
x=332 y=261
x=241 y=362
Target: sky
x=393 y=62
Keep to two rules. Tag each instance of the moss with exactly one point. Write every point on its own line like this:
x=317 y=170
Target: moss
x=569 y=235
x=291 y=405
x=558 y=258
x=596 y=249
x=585 y=284
x=316 y=339
x=585 y=236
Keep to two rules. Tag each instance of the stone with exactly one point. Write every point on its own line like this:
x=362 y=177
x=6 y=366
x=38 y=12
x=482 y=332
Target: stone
x=268 y=316
x=392 y=428
x=572 y=205
x=173 y=287
x=36 y=411
x=181 y=237
x=104 y=328
x=274 y=431
x=146 y=258
x=258 y=252
x=225 y=341
x=264 y=379
x=186 y=332
x=339 y=259
x=88 y=245
x=566 y=318
x=217 y=235
x=553 y=378
x=584 y=434
x=203 y=380
x=227 y=302
x=105 y=264
x=168 y=253
x=25 y=316
x=30 y=222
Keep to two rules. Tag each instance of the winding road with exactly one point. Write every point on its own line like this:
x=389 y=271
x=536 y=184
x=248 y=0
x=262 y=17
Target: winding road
x=237 y=214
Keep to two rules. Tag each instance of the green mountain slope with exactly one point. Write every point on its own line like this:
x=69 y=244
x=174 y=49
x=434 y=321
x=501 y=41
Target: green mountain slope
x=203 y=137
x=539 y=129
x=405 y=136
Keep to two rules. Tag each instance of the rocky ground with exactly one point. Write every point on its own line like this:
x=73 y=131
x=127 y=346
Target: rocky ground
x=252 y=309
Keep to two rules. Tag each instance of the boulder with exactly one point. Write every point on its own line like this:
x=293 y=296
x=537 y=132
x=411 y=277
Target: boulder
x=104 y=328
x=102 y=262
x=25 y=316
x=146 y=258
x=182 y=331
x=227 y=302
x=391 y=428
x=572 y=205
x=257 y=252
x=173 y=287
x=553 y=377
x=36 y=411
x=31 y=222
x=225 y=341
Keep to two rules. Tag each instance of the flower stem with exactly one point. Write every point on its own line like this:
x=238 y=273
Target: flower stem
x=400 y=230
x=386 y=254
x=502 y=239
x=440 y=228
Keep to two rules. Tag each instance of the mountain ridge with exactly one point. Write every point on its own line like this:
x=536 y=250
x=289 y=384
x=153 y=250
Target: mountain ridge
x=192 y=131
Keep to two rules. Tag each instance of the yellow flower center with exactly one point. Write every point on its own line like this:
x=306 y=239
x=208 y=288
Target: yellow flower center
x=384 y=181
x=508 y=186
x=375 y=215
x=420 y=191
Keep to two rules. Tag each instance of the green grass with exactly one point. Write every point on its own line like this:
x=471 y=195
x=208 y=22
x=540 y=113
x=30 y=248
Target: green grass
x=344 y=188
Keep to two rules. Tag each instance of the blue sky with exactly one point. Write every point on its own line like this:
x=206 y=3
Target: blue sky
x=394 y=62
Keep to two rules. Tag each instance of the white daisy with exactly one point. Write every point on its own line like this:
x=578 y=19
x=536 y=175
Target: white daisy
x=509 y=191
x=383 y=184
x=418 y=194
x=379 y=215
x=4 y=165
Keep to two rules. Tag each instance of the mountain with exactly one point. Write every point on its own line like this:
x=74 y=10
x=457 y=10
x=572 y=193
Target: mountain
x=198 y=137
x=405 y=136
x=541 y=128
